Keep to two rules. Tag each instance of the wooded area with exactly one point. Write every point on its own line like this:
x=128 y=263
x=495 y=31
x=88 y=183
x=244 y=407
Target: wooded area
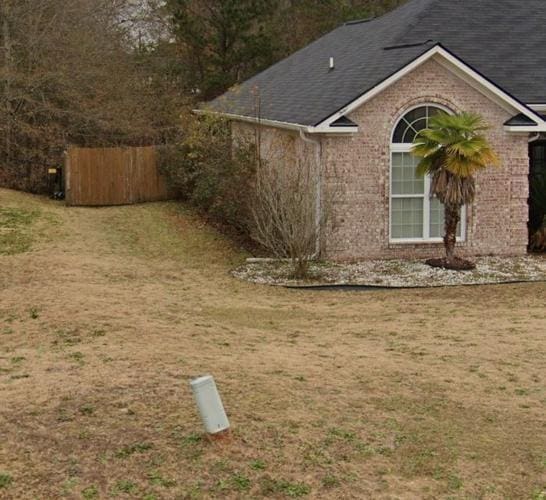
x=127 y=72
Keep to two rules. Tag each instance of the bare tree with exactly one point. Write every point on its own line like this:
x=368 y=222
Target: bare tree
x=70 y=73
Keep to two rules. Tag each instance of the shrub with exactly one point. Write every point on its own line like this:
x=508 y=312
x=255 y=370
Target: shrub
x=270 y=190
x=538 y=222
x=538 y=238
x=207 y=171
x=291 y=205
x=284 y=211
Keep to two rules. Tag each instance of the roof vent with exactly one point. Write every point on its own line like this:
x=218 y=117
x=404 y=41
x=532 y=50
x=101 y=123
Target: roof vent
x=332 y=63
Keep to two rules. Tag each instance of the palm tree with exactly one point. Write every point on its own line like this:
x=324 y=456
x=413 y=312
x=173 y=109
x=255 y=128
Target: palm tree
x=452 y=150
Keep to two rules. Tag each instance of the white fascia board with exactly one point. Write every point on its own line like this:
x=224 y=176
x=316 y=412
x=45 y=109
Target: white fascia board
x=335 y=131
x=450 y=61
x=537 y=107
x=278 y=124
x=526 y=129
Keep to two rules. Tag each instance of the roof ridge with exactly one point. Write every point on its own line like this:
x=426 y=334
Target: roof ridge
x=414 y=20
x=388 y=13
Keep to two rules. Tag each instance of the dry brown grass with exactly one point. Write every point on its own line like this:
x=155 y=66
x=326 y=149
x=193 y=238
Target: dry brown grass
x=406 y=394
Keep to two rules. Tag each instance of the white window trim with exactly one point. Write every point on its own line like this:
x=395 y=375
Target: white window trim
x=406 y=148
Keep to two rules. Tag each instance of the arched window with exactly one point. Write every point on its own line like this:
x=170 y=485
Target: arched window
x=414 y=216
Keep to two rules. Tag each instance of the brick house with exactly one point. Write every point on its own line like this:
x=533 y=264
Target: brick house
x=358 y=95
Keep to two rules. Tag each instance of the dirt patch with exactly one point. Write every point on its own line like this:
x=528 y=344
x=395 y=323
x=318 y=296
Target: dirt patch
x=406 y=394
x=457 y=264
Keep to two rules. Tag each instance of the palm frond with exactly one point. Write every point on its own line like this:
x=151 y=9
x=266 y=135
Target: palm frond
x=452 y=150
x=425 y=166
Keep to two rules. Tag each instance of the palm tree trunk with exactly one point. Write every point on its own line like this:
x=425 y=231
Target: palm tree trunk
x=451 y=221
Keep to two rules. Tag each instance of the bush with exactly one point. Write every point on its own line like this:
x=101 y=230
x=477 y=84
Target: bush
x=207 y=171
x=26 y=176
x=284 y=210
x=538 y=219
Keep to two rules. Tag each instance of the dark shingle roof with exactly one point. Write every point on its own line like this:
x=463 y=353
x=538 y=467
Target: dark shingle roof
x=505 y=40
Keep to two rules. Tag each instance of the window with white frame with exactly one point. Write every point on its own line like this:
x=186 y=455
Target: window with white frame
x=414 y=216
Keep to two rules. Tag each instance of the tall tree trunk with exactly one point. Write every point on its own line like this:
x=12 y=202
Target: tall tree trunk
x=451 y=221
x=4 y=14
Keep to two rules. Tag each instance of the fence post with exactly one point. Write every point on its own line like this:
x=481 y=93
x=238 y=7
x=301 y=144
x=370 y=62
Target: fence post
x=67 y=179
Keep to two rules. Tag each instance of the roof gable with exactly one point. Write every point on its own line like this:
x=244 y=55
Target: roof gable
x=450 y=61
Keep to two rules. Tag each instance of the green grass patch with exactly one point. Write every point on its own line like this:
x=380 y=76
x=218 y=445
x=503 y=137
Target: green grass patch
x=5 y=480
x=87 y=410
x=157 y=479
x=16 y=230
x=257 y=464
x=127 y=451
x=77 y=357
x=240 y=482
x=290 y=489
x=90 y=493
x=124 y=486
x=157 y=235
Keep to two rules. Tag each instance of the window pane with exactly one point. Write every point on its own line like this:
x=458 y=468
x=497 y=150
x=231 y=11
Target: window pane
x=407 y=218
x=432 y=111
x=414 y=121
x=416 y=114
x=409 y=135
x=437 y=219
x=404 y=175
x=420 y=124
x=399 y=132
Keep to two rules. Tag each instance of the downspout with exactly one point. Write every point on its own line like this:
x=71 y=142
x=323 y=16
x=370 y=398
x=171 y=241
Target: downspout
x=318 y=201
x=535 y=138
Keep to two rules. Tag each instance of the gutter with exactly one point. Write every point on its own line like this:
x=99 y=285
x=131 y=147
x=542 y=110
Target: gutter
x=318 y=202
x=278 y=124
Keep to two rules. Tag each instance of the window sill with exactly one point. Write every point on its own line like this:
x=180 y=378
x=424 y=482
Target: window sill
x=435 y=241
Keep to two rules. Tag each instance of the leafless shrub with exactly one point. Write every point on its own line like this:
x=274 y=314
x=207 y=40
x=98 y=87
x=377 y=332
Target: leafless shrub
x=291 y=205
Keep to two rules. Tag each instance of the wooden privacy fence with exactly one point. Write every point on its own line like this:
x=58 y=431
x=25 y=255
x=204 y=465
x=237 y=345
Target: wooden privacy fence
x=113 y=176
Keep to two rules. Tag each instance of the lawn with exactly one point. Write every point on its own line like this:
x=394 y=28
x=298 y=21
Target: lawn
x=106 y=314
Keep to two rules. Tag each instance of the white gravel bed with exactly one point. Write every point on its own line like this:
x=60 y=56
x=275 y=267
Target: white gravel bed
x=397 y=273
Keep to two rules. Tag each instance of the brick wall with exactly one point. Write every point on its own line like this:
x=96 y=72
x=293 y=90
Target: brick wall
x=360 y=166
x=275 y=144
x=356 y=169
